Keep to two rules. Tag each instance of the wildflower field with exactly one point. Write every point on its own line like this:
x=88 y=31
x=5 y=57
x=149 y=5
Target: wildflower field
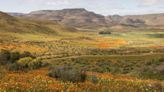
x=37 y=81
x=118 y=62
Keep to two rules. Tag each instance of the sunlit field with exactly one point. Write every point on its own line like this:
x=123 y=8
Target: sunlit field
x=130 y=61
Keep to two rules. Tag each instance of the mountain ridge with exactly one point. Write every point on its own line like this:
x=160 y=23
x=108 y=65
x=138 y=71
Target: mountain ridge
x=71 y=17
x=82 y=18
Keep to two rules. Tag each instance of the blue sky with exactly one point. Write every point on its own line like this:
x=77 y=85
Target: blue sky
x=105 y=7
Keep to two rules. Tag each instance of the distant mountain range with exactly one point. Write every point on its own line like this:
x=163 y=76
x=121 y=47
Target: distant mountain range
x=15 y=14
x=82 y=18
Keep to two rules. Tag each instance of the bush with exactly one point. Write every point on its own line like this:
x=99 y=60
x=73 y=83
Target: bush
x=12 y=67
x=68 y=74
x=28 y=63
x=4 y=57
x=16 y=61
x=14 y=56
x=8 y=57
x=26 y=54
x=35 y=64
x=104 y=32
x=24 y=62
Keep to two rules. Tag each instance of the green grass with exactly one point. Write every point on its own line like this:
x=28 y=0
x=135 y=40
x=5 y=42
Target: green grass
x=138 y=38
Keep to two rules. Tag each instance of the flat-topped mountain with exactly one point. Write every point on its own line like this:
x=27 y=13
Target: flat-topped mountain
x=72 y=17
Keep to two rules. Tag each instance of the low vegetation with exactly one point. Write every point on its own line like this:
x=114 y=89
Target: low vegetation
x=37 y=81
x=143 y=67
x=68 y=74
x=104 y=32
x=15 y=61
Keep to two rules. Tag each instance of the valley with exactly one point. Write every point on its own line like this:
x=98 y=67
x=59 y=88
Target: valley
x=114 y=56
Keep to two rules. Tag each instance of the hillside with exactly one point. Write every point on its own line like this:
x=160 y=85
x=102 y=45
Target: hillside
x=19 y=25
x=12 y=24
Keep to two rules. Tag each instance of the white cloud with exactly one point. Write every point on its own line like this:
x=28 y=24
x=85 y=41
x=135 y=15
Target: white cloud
x=57 y=2
x=49 y=2
x=151 y=2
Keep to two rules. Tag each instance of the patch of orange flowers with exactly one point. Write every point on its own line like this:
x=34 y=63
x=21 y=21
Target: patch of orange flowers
x=37 y=80
x=106 y=43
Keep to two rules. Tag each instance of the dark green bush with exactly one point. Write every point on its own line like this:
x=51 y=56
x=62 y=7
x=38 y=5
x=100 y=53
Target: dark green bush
x=19 y=61
x=68 y=74
x=4 y=56
x=10 y=57
x=35 y=64
x=27 y=63
x=26 y=54
x=14 y=56
x=12 y=67
x=104 y=32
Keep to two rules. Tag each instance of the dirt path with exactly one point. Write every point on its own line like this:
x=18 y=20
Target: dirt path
x=104 y=56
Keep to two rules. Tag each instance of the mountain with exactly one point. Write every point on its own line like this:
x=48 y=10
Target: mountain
x=81 y=18
x=78 y=17
x=150 y=19
x=15 y=14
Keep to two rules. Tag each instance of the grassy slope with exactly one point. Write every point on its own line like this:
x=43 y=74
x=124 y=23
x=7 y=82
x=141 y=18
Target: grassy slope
x=29 y=28
x=15 y=32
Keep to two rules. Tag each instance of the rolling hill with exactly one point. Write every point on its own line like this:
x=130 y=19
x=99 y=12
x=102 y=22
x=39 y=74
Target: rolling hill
x=21 y=25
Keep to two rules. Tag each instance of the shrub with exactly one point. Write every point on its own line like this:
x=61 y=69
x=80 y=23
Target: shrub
x=27 y=63
x=35 y=63
x=4 y=56
x=24 y=62
x=104 y=32
x=8 y=57
x=17 y=61
x=26 y=54
x=12 y=67
x=68 y=74
x=14 y=56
